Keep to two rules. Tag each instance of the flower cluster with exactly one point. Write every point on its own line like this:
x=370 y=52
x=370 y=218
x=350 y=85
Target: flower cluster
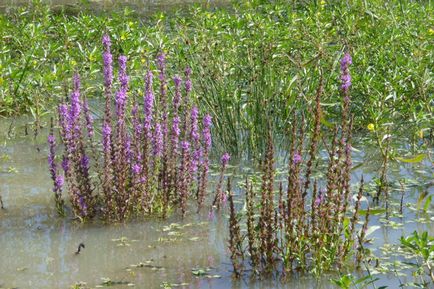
x=144 y=166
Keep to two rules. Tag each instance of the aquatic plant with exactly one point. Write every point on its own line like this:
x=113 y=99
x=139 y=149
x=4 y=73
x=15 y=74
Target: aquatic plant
x=139 y=166
x=220 y=196
x=57 y=178
x=293 y=232
x=421 y=247
x=349 y=281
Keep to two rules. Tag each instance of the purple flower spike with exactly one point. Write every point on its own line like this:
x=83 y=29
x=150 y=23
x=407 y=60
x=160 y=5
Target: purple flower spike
x=207 y=122
x=225 y=159
x=59 y=183
x=106 y=136
x=175 y=133
x=158 y=140
x=137 y=169
x=148 y=104
x=296 y=159
x=345 y=73
x=75 y=100
x=320 y=198
x=123 y=77
x=188 y=80
x=85 y=163
x=65 y=165
x=106 y=42
x=194 y=135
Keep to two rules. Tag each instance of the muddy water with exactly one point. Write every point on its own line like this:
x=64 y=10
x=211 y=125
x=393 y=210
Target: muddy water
x=38 y=248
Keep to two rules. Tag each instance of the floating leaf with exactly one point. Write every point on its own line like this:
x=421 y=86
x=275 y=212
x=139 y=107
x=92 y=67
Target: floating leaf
x=416 y=159
x=372 y=212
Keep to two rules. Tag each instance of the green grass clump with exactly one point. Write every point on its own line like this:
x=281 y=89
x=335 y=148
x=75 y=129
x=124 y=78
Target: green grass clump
x=253 y=62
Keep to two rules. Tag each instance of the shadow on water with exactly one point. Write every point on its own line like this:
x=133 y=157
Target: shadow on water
x=38 y=248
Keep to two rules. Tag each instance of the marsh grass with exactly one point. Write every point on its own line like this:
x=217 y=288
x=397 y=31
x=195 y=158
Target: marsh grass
x=252 y=62
x=307 y=224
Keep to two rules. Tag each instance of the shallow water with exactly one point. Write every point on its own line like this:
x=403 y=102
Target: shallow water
x=37 y=247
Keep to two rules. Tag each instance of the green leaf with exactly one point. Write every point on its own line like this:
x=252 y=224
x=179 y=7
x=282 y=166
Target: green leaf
x=416 y=159
x=372 y=212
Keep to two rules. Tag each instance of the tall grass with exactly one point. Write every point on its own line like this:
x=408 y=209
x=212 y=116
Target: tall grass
x=253 y=62
x=308 y=224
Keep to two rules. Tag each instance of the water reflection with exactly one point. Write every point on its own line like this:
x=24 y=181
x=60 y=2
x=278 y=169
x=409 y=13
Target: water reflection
x=38 y=247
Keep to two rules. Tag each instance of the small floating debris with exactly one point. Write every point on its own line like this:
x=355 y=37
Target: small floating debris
x=167 y=285
x=147 y=264
x=108 y=282
x=204 y=272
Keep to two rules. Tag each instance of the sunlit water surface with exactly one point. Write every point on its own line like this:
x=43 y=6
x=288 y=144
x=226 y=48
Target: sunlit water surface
x=37 y=247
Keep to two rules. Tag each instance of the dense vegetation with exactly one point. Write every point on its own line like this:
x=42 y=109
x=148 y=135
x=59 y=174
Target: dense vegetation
x=253 y=63
x=277 y=81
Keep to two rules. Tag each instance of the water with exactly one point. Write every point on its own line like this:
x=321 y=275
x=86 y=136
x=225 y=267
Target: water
x=38 y=248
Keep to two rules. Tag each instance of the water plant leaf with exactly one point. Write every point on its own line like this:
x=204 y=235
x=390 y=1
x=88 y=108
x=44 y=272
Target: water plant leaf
x=372 y=212
x=416 y=159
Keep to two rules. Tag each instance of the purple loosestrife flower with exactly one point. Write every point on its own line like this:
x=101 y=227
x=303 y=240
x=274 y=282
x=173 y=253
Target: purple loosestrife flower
x=148 y=104
x=163 y=102
x=188 y=80
x=220 y=197
x=175 y=133
x=57 y=179
x=85 y=164
x=136 y=124
x=320 y=198
x=296 y=159
x=58 y=184
x=75 y=108
x=184 y=184
x=107 y=172
x=121 y=96
x=106 y=138
x=123 y=77
x=127 y=148
x=136 y=169
x=225 y=159
x=158 y=140
x=83 y=206
x=206 y=137
x=108 y=77
x=108 y=62
x=194 y=136
x=63 y=121
x=207 y=122
x=51 y=155
x=65 y=165
x=345 y=73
